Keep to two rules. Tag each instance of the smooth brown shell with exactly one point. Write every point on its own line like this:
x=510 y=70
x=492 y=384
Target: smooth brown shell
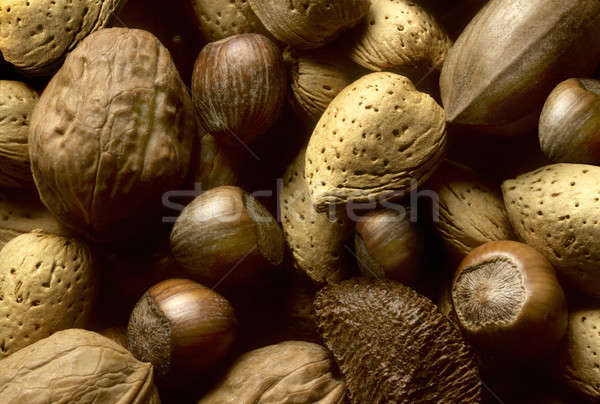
x=218 y=19
x=112 y=132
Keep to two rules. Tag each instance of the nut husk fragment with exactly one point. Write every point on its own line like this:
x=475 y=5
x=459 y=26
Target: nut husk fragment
x=76 y=366
x=292 y=371
x=393 y=345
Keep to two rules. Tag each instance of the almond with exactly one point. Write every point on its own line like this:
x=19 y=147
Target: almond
x=378 y=137
x=555 y=210
x=218 y=19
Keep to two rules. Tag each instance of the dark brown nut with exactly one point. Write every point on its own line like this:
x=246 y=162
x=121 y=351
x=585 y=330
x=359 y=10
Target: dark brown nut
x=36 y=35
x=213 y=165
x=226 y=237
x=393 y=345
x=17 y=100
x=117 y=334
x=299 y=321
x=291 y=371
x=182 y=328
x=218 y=19
x=316 y=239
x=47 y=284
x=569 y=128
x=316 y=77
x=112 y=132
x=505 y=293
x=471 y=210
x=388 y=245
x=308 y=24
x=493 y=79
x=239 y=86
x=76 y=365
x=400 y=36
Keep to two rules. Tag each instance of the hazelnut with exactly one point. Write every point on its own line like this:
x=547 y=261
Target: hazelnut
x=388 y=245
x=505 y=293
x=226 y=236
x=239 y=86
x=569 y=129
x=182 y=328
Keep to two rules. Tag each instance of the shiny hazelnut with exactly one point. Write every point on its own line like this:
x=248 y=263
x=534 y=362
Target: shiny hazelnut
x=239 y=86
x=182 y=328
x=508 y=301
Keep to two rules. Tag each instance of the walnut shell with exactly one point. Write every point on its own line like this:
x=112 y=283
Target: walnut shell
x=47 y=284
x=76 y=365
x=112 y=132
x=471 y=210
x=17 y=100
x=218 y=19
x=378 y=138
x=292 y=371
x=401 y=36
x=555 y=210
x=316 y=239
x=36 y=35
x=308 y=24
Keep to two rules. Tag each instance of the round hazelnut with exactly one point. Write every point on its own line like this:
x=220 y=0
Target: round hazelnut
x=239 y=86
x=182 y=328
x=506 y=295
x=226 y=237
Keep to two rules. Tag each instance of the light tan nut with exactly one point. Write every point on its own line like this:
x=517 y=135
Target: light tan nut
x=379 y=137
x=316 y=239
x=308 y=24
x=401 y=36
x=112 y=132
x=36 y=35
x=471 y=209
x=17 y=100
x=296 y=371
x=555 y=210
x=218 y=19
x=76 y=366
x=47 y=284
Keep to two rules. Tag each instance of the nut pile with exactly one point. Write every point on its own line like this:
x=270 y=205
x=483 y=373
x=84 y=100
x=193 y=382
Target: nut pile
x=299 y=201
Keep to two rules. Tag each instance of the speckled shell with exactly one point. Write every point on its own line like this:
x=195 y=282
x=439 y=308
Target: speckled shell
x=394 y=346
x=316 y=239
x=308 y=24
x=292 y=371
x=218 y=19
x=112 y=132
x=471 y=209
x=17 y=100
x=47 y=284
x=378 y=137
x=399 y=35
x=35 y=35
x=555 y=209
x=76 y=365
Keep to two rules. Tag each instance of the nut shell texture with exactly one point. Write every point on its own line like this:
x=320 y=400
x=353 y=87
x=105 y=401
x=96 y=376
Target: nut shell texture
x=76 y=366
x=399 y=35
x=218 y=19
x=292 y=371
x=112 y=132
x=393 y=345
x=308 y=24
x=35 y=35
x=315 y=239
x=47 y=284
x=555 y=210
x=379 y=137
x=16 y=104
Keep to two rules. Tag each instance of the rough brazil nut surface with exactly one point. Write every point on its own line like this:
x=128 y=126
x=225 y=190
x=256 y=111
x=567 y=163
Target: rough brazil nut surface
x=291 y=371
x=379 y=137
x=393 y=345
x=555 y=210
x=35 y=35
x=76 y=366
x=112 y=132
x=47 y=284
